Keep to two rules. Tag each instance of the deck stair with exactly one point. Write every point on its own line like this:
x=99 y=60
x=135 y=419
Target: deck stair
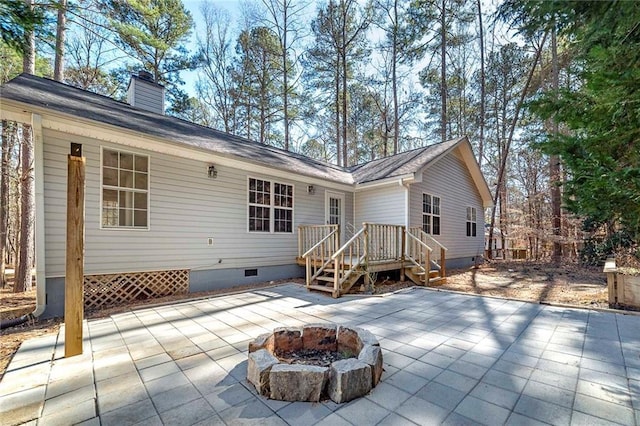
x=420 y=248
x=374 y=248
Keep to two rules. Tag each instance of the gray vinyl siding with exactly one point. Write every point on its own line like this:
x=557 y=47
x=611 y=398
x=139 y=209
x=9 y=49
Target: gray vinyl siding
x=147 y=96
x=450 y=180
x=382 y=204
x=186 y=208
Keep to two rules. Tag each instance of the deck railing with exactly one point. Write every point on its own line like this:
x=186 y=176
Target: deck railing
x=385 y=242
x=347 y=260
x=310 y=235
x=418 y=252
x=318 y=257
x=372 y=248
x=432 y=242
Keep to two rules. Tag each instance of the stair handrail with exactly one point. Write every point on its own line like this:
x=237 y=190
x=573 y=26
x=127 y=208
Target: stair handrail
x=312 y=269
x=341 y=275
x=440 y=266
x=319 y=243
x=348 y=243
x=417 y=251
x=410 y=255
x=308 y=233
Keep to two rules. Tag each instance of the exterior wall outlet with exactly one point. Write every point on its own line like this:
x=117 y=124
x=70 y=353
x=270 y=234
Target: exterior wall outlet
x=210 y=241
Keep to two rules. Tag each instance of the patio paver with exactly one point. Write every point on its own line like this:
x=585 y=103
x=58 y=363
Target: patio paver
x=449 y=359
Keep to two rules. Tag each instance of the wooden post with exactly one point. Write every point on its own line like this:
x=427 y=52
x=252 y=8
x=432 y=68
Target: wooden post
x=443 y=269
x=610 y=269
x=336 y=276
x=73 y=283
x=403 y=251
x=427 y=267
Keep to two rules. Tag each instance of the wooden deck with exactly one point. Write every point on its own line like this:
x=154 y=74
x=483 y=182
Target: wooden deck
x=374 y=248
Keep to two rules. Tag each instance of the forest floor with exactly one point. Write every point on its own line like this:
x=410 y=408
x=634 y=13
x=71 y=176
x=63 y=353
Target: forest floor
x=568 y=284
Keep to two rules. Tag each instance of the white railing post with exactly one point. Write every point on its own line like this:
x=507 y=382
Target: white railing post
x=611 y=270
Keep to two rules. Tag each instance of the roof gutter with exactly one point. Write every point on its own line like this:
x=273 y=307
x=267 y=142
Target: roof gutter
x=406 y=179
x=407 y=197
x=41 y=281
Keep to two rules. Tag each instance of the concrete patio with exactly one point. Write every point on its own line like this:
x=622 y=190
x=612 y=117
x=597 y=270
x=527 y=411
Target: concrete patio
x=449 y=359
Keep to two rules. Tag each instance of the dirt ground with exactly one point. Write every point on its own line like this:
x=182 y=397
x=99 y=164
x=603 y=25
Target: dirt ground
x=569 y=284
x=537 y=282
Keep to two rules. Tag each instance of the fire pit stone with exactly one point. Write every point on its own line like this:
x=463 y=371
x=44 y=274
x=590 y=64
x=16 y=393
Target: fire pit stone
x=348 y=379
x=296 y=382
x=308 y=363
x=258 y=369
x=372 y=355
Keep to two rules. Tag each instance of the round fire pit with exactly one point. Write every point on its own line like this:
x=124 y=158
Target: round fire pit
x=315 y=362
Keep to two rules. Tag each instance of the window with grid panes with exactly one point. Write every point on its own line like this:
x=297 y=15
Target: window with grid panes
x=431 y=214
x=471 y=222
x=270 y=206
x=125 y=190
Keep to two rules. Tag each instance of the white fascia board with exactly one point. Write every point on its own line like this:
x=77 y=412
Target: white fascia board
x=104 y=132
x=406 y=179
x=476 y=174
x=11 y=113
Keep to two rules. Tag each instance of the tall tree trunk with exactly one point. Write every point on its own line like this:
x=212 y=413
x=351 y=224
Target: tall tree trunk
x=58 y=70
x=394 y=80
x=443 y=71
x=285 y=76
x=504 y=228
x=345 y=155
x=554 y=163
x=337 y=112
x=27 y=218
x=482 y=86
x=345 y=152
x=516 y=114
x=29 y=58
x=4 y=199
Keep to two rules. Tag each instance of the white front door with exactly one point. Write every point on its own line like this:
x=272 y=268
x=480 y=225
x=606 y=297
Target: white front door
x=334 y=210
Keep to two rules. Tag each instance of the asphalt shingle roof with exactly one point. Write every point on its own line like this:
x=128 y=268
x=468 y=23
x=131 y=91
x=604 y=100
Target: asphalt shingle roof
x=400 y=164
x=49 y=94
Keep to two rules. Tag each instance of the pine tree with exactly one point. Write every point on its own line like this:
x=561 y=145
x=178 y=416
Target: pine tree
x=154 y=33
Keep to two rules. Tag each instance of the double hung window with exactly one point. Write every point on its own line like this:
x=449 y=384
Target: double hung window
x=472 y=222
x=125 y=190
x=431 y=214
x=270 y=206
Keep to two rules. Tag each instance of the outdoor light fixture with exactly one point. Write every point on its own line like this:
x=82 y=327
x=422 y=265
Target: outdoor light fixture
x=311 y=190
x=213 y=173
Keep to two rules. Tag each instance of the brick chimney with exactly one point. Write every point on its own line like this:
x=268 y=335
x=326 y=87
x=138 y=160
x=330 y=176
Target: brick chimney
x=145 y=93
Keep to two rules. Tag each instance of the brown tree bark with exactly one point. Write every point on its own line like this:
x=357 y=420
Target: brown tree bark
x=27 y=218
x=555 y=177
x=516 y=114
x=4 y=199
x=482 y=85
x=58 y=69
x=443 y=71
x=29 y=57
x=394 y=81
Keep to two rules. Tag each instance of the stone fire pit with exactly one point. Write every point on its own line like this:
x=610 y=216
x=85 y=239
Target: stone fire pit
x=314 y=362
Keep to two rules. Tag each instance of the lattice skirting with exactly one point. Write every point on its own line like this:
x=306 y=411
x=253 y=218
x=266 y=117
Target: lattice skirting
x=115 y=289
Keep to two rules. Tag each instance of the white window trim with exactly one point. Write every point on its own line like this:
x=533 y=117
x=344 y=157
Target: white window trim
x=431 y=214
x=467 y=221
x=101 y=190
x=272 y=206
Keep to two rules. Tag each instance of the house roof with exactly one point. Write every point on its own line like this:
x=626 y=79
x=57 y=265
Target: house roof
x=71 y=101
x=52 y=95
x=401 y=164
